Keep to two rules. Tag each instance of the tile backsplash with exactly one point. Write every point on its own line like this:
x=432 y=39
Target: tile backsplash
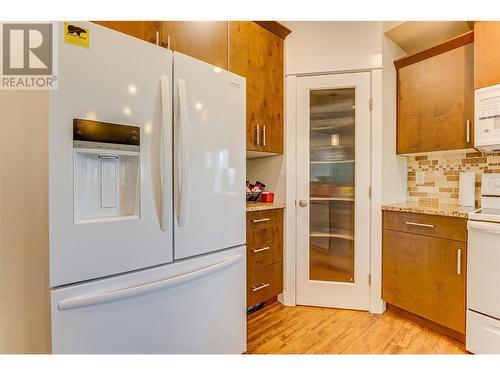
x=441 y=172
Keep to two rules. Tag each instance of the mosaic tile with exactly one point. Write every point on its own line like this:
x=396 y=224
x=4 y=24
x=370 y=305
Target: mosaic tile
x=441 y=175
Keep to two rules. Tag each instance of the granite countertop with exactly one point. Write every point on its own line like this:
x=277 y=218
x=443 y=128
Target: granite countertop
x=260 y=206
x=430 y=209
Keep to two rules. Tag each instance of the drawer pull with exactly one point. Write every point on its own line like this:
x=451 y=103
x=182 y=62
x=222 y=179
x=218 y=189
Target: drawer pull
x=419 y=224
x=256 y=288
x=264 y=248
x=459 y=261
x=260 y=220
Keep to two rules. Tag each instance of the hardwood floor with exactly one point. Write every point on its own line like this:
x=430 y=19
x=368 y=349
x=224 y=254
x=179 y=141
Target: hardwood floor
x=278 y=329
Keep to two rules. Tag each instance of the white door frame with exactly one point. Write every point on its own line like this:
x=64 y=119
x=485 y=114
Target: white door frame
x=376 y=305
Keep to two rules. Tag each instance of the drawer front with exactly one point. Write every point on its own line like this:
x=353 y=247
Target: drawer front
x=264 y=247
x=426 y=276
x=483 y=334
x=264 y=219
x=264 y=283
x=452 y=228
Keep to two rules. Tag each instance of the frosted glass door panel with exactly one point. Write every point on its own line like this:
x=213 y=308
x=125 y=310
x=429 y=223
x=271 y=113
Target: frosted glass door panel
x=332 y=167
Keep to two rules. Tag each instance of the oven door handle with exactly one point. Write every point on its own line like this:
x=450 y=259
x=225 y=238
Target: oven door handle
x=483 y=227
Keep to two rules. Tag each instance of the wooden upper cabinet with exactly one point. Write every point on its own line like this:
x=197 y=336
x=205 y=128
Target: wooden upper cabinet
x=257 y=54
x=244 y=60
x=271 y=83
x=486 y=54
x=246 y=48
x=435 y=99
x=145 y=30
x=204 y=40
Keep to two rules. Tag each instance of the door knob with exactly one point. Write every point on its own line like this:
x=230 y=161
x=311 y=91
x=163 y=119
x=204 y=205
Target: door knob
x=303 y=203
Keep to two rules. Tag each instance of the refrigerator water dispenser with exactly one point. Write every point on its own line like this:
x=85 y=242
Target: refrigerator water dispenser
x=106 y=171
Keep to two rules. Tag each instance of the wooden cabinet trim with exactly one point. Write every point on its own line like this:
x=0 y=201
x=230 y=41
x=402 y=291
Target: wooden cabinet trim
x=275 y=27
x=457 y=42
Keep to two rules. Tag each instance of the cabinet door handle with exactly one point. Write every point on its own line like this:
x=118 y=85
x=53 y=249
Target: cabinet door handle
x=168 y=42
x=468 y=131
x=419 y=224
x=256 y=288
x=263 y=135
x=157 y=41
x=264 y=248
x=260 y=220
x=459 y=261
x=257 y=135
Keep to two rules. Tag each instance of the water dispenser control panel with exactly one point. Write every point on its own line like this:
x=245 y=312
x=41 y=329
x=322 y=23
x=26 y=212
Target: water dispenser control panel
x=96 y=134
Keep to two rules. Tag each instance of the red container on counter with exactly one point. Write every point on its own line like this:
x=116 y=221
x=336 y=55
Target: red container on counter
x=267 y=197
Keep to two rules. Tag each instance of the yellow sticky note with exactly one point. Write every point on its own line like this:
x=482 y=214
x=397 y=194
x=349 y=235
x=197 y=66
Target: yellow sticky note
x=77 y=35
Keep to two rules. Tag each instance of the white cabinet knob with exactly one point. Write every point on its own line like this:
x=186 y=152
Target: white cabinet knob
x=303 y=203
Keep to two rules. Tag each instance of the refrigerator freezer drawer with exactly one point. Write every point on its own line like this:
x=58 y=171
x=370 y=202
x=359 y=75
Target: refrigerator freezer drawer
x=194 y=306
x=483 y=334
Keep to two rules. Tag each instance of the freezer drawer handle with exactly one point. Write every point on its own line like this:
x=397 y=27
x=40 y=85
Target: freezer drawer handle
x=419 y=224
x=260 y=220
x=256 y=288
x=261 y=249
x=90 y=300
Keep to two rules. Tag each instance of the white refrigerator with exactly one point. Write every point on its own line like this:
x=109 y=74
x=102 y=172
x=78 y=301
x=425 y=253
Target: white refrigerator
x=146 y=200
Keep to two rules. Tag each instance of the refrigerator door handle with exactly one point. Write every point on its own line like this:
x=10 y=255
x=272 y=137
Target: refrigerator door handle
x=182 y=153
x=119 y=294
x=165 y=155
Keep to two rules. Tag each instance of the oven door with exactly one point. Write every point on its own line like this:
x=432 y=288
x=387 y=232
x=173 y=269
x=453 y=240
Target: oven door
x=483 y=268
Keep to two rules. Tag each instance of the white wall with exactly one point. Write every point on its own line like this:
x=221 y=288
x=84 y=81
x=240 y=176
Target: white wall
x=333 y=46
x=24 y=242
x=271 y=171
x=394 y=174
x=324 y=47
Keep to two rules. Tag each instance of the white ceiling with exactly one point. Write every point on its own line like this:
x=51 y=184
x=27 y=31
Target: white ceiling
x=415 y=36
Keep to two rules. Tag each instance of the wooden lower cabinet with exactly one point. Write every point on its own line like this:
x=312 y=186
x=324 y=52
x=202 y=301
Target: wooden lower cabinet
x=264 y=255
x=264 y=283
x=425 y=275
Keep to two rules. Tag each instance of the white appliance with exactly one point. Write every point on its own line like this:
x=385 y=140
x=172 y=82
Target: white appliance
x=487 y=124
x=146 y=200
x=483 y=271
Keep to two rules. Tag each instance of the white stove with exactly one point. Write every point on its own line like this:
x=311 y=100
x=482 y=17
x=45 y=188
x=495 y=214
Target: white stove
x=483 y=271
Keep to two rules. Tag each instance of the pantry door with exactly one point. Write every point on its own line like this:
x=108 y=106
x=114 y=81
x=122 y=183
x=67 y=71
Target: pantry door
x=333 y=190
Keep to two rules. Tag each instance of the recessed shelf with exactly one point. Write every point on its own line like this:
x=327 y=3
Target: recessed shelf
x=335 y=199
x=332 y=161
x=346 y=235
